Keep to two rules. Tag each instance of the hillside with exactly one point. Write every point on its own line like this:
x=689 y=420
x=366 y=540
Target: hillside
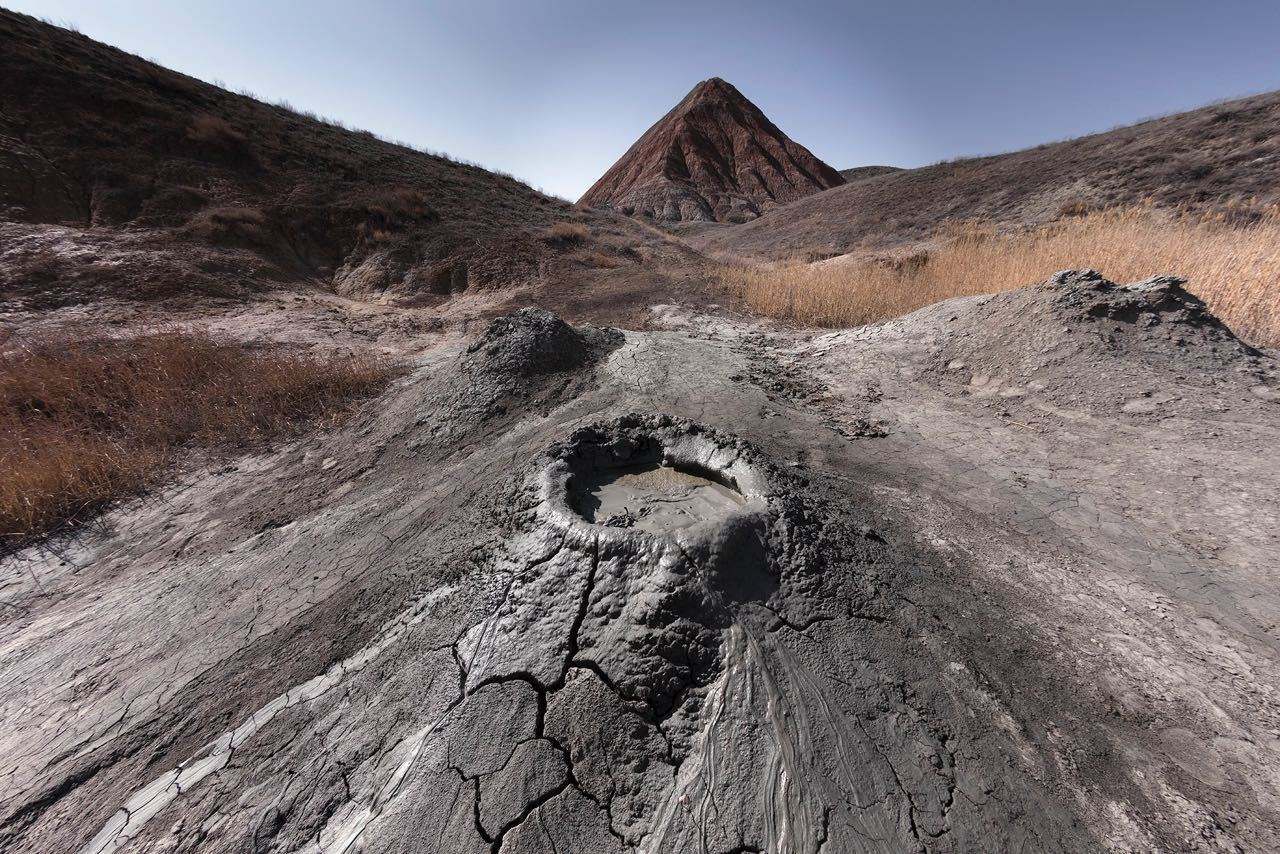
x=861 y=173
x=160 y=185
x=714 y=157
x=1202 y=159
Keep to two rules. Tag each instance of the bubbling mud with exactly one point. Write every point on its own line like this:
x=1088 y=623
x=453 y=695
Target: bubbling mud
x=652 y=497
x=651 y=475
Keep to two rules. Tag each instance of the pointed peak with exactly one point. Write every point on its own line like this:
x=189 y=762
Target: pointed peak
x=714 y=156
x=715 y=83
x=716 y=86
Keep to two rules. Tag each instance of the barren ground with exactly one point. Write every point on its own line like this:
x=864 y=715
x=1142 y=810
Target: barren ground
x=949 y=606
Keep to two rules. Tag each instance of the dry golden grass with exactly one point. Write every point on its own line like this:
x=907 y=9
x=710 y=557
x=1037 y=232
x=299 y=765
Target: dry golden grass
x=1234 y=268
x=599 y=260
x=207 y=128
x=86 y=421
x=567 y=233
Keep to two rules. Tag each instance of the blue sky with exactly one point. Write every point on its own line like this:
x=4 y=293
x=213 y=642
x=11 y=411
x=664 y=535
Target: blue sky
x=555 y=92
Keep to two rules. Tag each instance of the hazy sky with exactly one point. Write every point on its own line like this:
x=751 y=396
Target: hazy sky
x=554 y=92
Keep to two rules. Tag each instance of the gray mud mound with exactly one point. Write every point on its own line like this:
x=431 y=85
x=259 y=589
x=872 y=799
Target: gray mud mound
x=501 y=612
x=527 y=359
x=1081 y=340
x=673 y=679
x=532 y=342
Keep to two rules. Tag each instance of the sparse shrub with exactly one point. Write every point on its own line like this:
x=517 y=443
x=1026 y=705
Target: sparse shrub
x=1231 y=262
x=1187 y=169
x=86 y=421
x=1075 y=208
x=816 y=255
x=172 y=205
x=566 y=233
x=601 y=260
x=224 y=224
x=231 y=218
x=214 y=130
x=392 y=210
x=623 y=247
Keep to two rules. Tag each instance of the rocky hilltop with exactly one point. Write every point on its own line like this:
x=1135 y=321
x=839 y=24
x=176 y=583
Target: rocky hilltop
x=715 y=157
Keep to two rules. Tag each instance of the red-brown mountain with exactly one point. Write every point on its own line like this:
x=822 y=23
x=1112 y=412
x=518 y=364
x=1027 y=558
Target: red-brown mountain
x=716 y=156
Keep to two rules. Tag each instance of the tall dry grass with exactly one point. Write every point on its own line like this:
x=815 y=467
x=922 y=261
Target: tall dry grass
x=1235 y=268
x=566 y=233
x=88 y=420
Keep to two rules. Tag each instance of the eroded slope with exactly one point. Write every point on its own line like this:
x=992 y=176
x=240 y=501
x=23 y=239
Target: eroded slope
x=714 y=158
x=120 y=179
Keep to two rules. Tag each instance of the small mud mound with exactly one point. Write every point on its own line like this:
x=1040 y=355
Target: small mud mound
x=532 y=342
x=1150 y=316
x=1081 y=340
x=529 y=360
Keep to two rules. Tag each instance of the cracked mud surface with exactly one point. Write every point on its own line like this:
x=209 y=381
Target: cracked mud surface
x=876 y=608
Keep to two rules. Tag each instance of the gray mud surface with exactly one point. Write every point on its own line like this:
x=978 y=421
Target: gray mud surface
x=654 y=497
x=711 y=588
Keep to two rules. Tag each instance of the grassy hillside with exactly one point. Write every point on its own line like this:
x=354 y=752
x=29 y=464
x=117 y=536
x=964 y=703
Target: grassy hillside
x=861 y=173
x=1225 y=155
x=160 y=184
x=116 y=139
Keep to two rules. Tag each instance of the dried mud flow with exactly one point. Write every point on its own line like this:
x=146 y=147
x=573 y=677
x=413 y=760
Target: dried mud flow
x=928 y=586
